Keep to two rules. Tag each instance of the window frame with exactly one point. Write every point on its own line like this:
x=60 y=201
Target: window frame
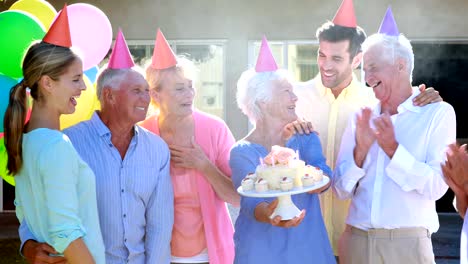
x=173 y=43
x=285 y=43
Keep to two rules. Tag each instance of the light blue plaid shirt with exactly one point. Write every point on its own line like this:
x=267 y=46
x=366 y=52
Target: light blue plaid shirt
x=134 y=195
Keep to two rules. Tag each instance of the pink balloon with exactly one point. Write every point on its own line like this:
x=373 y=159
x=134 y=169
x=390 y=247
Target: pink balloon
x=91 y=33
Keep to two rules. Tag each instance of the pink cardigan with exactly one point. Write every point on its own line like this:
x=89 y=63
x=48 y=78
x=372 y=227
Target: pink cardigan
x=216 y=140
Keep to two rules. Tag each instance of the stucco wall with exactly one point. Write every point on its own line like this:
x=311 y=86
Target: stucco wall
x=238 y=21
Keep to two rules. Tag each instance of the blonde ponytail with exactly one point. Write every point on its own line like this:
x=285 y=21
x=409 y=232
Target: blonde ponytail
x=13 y=124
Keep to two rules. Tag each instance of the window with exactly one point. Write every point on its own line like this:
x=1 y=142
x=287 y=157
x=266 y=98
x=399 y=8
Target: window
x=299 y=57
x=209 y=58
x=442 y=65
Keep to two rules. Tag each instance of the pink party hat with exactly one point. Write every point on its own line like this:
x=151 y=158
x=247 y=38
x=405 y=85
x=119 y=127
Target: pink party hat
x=265 y=61
x=345 y=15
x=59 y=31
x=120 y=57
x=163 y=56
x=388 y=25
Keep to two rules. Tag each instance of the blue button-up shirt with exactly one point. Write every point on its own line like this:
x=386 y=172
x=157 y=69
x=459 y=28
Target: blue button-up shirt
x=134 y=195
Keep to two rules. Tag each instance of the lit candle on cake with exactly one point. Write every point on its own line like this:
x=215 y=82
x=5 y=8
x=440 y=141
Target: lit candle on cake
x=298 y=165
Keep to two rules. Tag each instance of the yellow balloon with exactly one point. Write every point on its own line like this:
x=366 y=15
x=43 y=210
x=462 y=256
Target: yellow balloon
x=3 y=164
x=97 y=104
x=41 y=9
x=84 y=108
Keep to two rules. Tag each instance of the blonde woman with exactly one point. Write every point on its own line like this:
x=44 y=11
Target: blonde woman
x=55 y=189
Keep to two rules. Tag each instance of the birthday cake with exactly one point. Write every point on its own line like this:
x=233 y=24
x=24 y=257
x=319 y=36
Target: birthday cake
x=281 y=170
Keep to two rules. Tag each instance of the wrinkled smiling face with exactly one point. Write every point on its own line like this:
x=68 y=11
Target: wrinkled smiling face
x=176 y=95
x=283 y=101
x=132 y=98
x=380 y=72
x=335 y=64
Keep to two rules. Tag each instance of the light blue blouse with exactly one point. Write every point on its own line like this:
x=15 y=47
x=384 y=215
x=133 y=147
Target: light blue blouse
x=56 y=194
x=257 y=242
x=134 y=195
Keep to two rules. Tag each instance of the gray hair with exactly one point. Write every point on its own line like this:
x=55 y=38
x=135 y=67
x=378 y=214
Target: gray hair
x=254 y=87
x=395 y=47
x=112 y=78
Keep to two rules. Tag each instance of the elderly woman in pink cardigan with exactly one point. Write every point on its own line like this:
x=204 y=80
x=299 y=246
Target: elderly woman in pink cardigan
x=200 y=173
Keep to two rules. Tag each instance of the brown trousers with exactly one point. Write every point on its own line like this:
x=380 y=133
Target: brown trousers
x=385 y=246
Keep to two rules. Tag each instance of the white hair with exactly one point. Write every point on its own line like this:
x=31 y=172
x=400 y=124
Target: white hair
x=394 y=48
x=112 y=78
x=254 y=87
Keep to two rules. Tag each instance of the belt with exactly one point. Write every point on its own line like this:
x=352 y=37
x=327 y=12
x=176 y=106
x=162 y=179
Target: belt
x=409 y=232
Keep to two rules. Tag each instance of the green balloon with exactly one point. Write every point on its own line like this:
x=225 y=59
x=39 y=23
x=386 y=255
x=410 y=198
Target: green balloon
x=18 y=30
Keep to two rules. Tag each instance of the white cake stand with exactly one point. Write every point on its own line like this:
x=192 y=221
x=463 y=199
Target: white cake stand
x=286 y=208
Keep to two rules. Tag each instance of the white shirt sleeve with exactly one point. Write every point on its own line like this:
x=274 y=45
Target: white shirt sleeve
x=347 y=174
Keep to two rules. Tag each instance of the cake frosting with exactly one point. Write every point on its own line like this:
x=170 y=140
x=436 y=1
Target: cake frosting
x=261 y=185
x=281 y=170
x=247 y=184
x=286 y=184
x=251 y=176
x=315 y=172
x=308 y=180
x=281 y=162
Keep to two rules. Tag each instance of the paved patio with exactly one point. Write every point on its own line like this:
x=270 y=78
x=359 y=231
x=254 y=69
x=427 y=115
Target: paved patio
x=446 y=241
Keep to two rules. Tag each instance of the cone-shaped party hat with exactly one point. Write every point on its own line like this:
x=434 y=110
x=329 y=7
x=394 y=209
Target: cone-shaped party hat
x=163 y=56
x=59 y=31
x=388 y=25
x=120 y=57
x=345 y=15
x=265 y=61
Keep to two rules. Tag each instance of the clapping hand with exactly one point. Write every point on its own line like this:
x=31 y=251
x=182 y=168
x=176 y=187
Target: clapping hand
x=385 y=134
x=455 y=171
x=365 y=135
x=455 y=168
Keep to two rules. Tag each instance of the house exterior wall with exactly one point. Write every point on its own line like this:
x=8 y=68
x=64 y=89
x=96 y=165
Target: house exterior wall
x=239 y=21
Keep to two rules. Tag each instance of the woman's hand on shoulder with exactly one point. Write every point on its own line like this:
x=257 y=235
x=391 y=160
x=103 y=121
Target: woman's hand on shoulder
x=427 y=96
x=299 y=126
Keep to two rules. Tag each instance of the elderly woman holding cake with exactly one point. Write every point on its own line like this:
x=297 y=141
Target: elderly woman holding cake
x=266 y=96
